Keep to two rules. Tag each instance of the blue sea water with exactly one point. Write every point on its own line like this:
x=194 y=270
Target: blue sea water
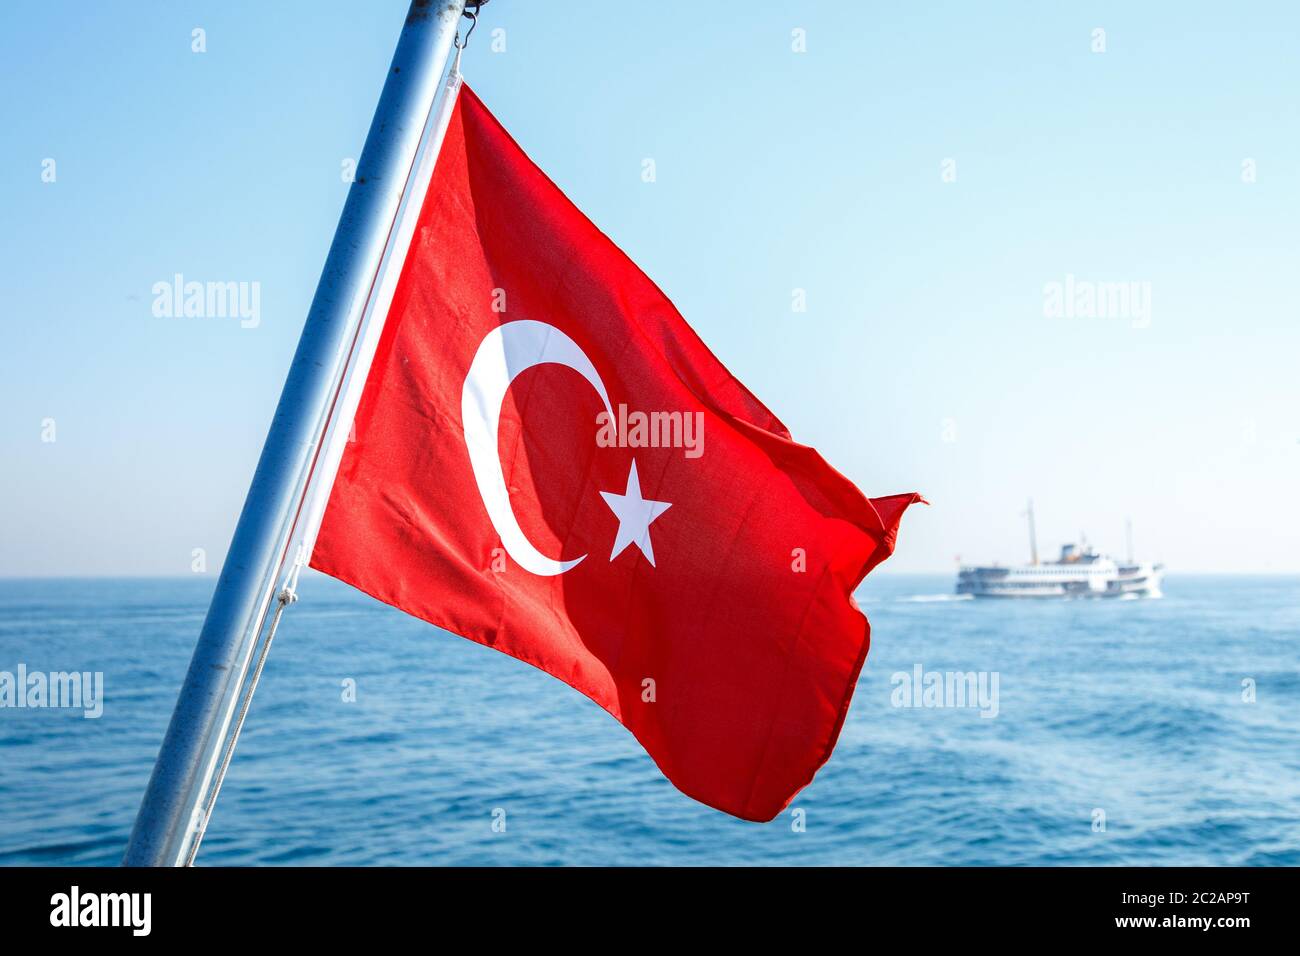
x=1132 y=709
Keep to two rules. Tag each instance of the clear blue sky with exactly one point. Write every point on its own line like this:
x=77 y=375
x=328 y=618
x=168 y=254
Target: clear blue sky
x=776 y=170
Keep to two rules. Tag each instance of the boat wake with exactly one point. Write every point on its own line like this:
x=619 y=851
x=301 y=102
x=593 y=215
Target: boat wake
x=935 y=598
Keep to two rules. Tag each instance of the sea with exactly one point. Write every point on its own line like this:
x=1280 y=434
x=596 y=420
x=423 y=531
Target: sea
x=1153 y=732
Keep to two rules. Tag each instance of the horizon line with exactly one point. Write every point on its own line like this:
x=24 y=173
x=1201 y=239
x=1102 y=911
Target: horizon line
x=876 y=573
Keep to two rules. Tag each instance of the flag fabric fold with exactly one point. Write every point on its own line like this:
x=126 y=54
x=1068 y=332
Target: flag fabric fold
x=547 y=460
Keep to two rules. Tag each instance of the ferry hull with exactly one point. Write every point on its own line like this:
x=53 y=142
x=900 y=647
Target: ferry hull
x=1099 y=579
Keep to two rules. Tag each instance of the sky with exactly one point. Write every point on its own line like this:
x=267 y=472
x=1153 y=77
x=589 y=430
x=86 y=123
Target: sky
x=926 y=173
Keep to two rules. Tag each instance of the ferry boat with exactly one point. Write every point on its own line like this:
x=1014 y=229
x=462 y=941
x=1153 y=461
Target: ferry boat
x=1080 y=572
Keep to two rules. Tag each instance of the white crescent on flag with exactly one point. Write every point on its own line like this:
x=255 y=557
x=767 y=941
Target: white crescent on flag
x=505 y=352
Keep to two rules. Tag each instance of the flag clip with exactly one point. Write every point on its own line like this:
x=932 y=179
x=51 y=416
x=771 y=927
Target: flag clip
x=472 y=16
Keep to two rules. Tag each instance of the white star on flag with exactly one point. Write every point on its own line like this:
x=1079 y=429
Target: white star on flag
x=634 y=516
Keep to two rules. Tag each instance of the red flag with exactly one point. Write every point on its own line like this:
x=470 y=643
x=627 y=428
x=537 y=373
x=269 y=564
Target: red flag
x=550 y=462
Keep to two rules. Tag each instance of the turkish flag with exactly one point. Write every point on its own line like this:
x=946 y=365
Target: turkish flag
x=548 y=461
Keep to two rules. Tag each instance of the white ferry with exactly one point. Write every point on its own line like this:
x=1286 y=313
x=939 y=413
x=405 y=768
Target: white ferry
x=1080 y=572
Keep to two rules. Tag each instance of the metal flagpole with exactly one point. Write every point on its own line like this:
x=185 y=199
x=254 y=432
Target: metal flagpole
x=173 y=809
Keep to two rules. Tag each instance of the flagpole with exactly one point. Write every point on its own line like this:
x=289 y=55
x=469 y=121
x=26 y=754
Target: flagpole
x=171 y=812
